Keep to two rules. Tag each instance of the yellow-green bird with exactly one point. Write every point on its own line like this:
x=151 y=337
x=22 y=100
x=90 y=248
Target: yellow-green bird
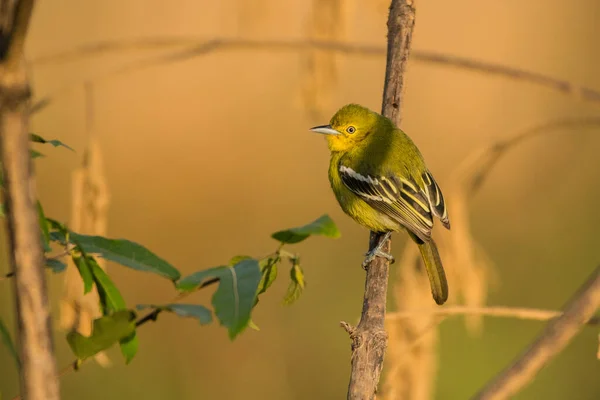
x=380 y=179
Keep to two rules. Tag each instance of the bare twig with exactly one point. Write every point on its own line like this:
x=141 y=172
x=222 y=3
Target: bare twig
x=38 y=366
x=186 y=48
x=151 y=316
x=65 y=252
x=190 y=47
x=549 y=82
x=480 y=163
x=533 y=314
x=369 y=339
x=557 y=334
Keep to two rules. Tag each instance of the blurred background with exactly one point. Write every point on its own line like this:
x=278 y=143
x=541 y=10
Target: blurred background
x=205 y=156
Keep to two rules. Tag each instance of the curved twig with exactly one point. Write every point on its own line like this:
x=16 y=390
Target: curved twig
x=485 y=158
x=557 y=334
x=180 y=49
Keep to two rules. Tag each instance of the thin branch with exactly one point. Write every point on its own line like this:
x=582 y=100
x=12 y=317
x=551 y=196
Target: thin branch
x=501 y=312
x=555 y=337
x=63 y=253
x=487 y=157
x=38 y=374
x=191 y=47
x=151 y=316
x=549 y=82
x=193 y=50
x=369 y=339
x=187 y=48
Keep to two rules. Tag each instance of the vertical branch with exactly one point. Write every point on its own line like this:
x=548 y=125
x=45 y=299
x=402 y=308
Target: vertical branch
x=400 y=24
x=369 y=339
x=38 y=372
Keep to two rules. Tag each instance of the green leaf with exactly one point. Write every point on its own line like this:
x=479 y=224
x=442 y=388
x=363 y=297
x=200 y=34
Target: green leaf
x=321 y=226
x=201 y=313
x=111 y=300
x=110 y=297
x=55 y=265
x=56 y=143
x=297 y=284
x=44 y=228
x=234 y=299
x=62 y=229
x=85 y=272
x=191 y=282
x=35 y=154
x=106 y=331
x=129 y=347
x=8 y=342
x=2 y=213
x=269 y=274
x=122 y=251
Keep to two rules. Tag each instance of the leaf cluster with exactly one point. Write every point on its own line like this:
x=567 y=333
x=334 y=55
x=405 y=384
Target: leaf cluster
x=240 y=282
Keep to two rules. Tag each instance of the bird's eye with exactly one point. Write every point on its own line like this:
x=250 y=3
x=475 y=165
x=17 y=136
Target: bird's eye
x=350 y=129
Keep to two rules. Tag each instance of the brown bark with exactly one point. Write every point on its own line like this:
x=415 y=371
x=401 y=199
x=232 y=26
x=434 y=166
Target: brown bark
x=369 y=339
x=38 y=366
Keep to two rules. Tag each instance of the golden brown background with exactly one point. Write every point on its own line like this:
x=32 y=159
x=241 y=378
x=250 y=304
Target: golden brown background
x=206 y=157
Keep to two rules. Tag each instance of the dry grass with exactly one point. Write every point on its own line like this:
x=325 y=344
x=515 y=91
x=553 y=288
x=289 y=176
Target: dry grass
x=411 y=355
x=319 y=69
x=90 y=198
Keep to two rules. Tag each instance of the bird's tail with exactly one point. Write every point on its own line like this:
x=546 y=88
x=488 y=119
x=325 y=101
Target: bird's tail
x=435 y=271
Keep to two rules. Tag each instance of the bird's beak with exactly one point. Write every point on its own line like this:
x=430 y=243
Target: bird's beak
x=325 y=130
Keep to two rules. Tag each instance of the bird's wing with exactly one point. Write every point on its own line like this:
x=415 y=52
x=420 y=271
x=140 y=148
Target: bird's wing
x=436 y=199
x=400 y=198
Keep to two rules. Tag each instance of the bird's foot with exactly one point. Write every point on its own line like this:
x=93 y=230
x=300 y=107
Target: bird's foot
x=376 y=252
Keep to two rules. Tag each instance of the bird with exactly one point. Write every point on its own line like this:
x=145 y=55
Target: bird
x=380 y=179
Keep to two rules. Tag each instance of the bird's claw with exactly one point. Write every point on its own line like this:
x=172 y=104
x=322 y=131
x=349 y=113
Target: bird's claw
x=370 y=256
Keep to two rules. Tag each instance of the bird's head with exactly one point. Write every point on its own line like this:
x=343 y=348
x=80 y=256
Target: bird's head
x=349 y=126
